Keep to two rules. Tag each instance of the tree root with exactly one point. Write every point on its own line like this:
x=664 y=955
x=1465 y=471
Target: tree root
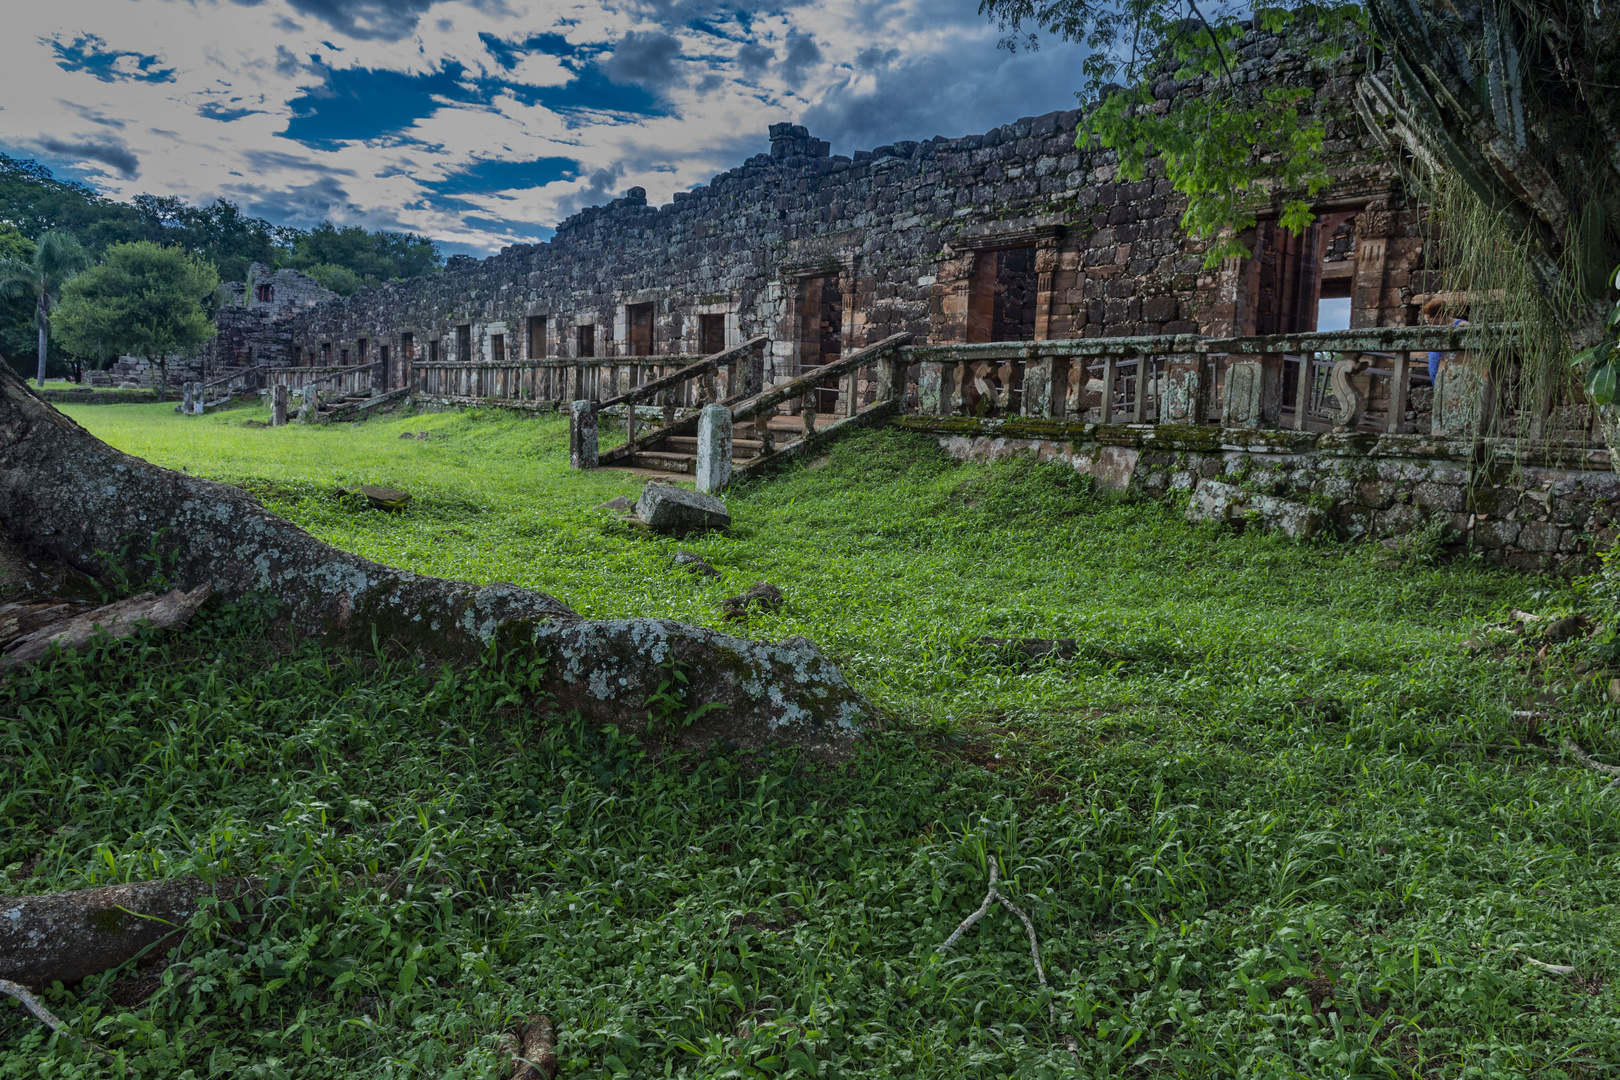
x=534 y=1050
x=70 y=500
x=116 y=620
x=66 y=937
x=1573 y=750
x=993 y=896
x=48 y=1018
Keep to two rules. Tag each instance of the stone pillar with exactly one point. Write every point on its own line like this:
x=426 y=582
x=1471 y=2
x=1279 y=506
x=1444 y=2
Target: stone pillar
x=1244 y=394
x=188 y=395
x=1185 y=389
x=379 y=379
x=582 y=444
x=714 y=449
x=1037 y=397
x=1253 y=391
x=202 y=397
x=1461 y=398
x=306 y=410
x=278 y=406
x=930 y=388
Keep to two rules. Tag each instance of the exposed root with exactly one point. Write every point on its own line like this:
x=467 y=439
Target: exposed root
x=48 y=1018
x=536 y=1052
x=1573 y=750
x=993 y=896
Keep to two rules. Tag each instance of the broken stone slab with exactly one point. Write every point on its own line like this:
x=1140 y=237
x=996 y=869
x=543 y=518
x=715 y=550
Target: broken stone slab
x=763 y=595
x=676 y=511
x=618 y=502
x=1214 y=500
x=69 y=498
x=693 y=564
x=381 y=498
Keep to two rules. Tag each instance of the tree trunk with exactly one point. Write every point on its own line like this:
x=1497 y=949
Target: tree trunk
x=68 y=496
x=42 y=318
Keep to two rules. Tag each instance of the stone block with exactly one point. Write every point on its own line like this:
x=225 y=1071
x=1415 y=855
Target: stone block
x=1540 y=536
x=1494 y=534
x=1435 y=496
x=676 y=511
x=1213 y=500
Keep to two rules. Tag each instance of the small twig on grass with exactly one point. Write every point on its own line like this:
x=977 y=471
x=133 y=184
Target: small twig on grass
x=48 y=1018
x=992 y=896
x=1556 y=969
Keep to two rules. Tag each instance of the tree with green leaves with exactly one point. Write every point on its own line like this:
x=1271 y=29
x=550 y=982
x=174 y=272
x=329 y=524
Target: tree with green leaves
x=143 y=300
x=57 y=257
x=1515 y=99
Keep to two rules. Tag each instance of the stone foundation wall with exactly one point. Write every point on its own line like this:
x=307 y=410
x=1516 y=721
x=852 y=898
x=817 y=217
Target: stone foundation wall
x=1538 y=509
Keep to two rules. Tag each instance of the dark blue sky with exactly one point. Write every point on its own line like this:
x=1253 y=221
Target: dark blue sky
x=482 y=122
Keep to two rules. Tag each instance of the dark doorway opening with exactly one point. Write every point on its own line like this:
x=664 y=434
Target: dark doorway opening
x=711 y=334
x=537 y=337
x=407 y=353
x=821 y=334
x=1001 y=296
x=497 y=348
x=464 y=342
x=585 y=341
x=640 y=320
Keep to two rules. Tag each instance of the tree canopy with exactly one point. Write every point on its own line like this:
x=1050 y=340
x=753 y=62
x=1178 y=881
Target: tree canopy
x=142 y=299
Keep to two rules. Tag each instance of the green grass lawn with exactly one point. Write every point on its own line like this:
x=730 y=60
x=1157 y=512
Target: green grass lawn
x=1274 y=820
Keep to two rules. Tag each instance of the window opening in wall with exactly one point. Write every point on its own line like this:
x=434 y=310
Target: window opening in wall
x=537 y=337
x=639 y=319
x=585 y=340
x=263 y=292
x=326 y=353
x=361 y=344
x=343 y=357
x=433 y=351
x=407 y=347
x=464 y=342
x=711 y=334
x=497 y=347
x=821 y=334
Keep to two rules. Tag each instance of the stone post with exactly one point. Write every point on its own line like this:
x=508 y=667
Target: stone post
x=379 y=379
x=931 y=388
x=278 y=405
x=582 y=447
x=202 y=397
x=307 y=408
x=1399 y=383
x=714 y=449
x=1184 y=389
x=1242 y=396
x=1105 y=414
x=1302 y=389
x=188 y=394
x=1461 y=398
x=1037 y=396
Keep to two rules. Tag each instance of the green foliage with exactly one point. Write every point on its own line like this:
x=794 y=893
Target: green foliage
x=37 y=281
x=142 y=299
x=1602 y=361
x=1229 y=151
x=369 y=257
x=33 y=202
x=1228 y=876
x=340 y=279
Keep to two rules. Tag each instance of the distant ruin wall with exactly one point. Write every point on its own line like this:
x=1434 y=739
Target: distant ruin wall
x=933 y=238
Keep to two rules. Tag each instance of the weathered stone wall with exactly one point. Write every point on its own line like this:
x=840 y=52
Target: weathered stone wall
x=1523 y=507
x=902 y=233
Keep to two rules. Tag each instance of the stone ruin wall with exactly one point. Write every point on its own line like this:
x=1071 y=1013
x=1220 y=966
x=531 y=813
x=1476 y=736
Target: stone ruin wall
x=929 y=238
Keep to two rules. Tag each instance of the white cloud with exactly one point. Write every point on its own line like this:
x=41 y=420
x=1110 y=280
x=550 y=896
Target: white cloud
x=193 y=98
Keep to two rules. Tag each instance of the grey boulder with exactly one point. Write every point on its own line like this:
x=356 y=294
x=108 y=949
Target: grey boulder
x=676 y=511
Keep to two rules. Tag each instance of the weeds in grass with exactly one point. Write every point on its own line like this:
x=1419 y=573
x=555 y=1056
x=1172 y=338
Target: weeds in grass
x=1273 y=820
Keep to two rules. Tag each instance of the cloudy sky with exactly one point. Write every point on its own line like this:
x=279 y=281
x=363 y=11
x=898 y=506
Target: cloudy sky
x=482 y=122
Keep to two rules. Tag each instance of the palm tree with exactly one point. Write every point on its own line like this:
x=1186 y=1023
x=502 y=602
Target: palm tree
x=57 y=257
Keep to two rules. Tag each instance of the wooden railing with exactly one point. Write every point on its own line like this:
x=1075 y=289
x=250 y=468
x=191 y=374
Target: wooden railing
x=551 y=383
x=328 y=381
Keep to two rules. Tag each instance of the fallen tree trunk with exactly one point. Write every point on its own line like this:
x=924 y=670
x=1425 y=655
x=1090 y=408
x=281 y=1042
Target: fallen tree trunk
x=73 y=500
x=68 y=936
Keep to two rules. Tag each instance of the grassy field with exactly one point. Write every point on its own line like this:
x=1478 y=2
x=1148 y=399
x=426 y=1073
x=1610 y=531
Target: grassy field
x=1275 y=819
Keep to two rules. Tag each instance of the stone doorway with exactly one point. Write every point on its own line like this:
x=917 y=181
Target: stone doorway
x=639 y=323
x=821 y=333
x=711 y=334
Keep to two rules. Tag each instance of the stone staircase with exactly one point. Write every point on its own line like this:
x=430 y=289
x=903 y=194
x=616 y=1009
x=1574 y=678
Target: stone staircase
x=676 y=455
